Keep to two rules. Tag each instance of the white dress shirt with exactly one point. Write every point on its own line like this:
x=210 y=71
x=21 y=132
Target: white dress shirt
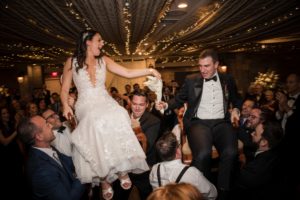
x=63 y=142
x=211 y=104
x=169 y=171
x=50 y=152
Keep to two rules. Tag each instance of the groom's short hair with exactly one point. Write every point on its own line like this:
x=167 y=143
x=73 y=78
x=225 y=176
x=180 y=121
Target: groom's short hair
x=209 y=53
x=140 y=93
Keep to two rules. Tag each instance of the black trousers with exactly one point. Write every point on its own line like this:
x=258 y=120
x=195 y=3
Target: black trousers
x=202 y=135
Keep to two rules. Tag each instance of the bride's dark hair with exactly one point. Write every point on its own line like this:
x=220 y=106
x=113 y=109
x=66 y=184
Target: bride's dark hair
x=80 y=51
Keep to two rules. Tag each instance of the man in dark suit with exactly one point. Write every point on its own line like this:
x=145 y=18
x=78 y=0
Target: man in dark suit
x=289 y=111
x=169 y=118
x=146 y=126
x=50 y=173
x=262 y=177
x=208 y=96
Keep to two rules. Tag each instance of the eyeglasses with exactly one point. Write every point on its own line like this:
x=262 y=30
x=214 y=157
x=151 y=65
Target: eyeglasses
x=51 y=116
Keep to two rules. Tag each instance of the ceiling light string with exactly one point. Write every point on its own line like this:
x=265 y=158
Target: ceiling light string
x=26 y=19
x=253 y=32
x=37 y=53
x=114 y=48
x=57 y=20
x=161 y=16
x=76 y=15
x=196 y=26
x=257 y=29
x=36 y=19
x=169 y=40
x=127 y=23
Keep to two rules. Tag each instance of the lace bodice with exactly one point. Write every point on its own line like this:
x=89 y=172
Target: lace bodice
x=82 y=78
x=90 y=94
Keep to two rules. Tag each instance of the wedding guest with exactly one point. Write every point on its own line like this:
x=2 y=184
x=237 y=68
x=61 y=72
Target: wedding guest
x=50 y=173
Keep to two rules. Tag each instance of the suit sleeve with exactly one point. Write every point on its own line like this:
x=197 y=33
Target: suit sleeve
x=181 y=97
x=152 y=132
x=234 y=97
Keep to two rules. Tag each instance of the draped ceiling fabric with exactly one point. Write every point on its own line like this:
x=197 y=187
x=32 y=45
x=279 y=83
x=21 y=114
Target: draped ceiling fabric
x=45 y=31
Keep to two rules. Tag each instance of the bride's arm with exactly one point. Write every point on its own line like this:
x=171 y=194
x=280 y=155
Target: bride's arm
x=129 y=73
x=66 y=84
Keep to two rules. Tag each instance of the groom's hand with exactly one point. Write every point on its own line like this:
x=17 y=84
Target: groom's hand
x=161 y=105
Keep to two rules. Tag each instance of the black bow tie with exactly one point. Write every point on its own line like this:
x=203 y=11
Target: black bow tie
x=214 y=78
x=61 y=129
x=291 y=98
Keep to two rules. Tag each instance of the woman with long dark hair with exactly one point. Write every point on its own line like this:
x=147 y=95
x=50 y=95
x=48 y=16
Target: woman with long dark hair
x=105 y=147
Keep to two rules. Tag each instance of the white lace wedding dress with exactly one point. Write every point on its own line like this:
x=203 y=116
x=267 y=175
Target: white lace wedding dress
x=104 y=142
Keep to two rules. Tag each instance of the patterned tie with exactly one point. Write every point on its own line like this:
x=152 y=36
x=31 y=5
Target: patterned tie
x=55 y=156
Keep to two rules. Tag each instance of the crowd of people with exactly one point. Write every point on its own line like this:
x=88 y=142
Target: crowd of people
x=122 y=141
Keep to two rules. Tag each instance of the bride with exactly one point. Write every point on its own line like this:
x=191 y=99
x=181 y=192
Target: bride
x=105 y=147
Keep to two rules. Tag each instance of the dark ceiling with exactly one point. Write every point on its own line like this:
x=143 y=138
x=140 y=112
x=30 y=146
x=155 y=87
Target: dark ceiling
x=45 y=31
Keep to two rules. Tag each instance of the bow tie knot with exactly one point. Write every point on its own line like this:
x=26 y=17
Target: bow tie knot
x=291 y=98
x=214 y=78
x=61 y=129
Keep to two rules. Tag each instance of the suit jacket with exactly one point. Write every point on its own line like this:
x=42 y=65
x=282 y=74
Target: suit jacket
x=191 y=93
x=261 y=178
x=292 y=123
x=49 y=180
x=150 y=126
x=291 y=143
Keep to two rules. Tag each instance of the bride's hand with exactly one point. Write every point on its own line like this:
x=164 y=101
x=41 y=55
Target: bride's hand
x=155 y=73
x=68 y=112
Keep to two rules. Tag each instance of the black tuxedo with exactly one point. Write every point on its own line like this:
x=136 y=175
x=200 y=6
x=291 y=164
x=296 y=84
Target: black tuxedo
x=202 y=133
x=191 y=93
x=291 y=145
x=150 y=126
x=292 y=123
x=244 y=135
x=260 y=179
x=169 y=118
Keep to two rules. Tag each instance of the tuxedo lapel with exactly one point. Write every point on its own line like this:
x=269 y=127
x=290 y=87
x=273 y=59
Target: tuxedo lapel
x=198 y=88
x=224 y=91
x=143 y=119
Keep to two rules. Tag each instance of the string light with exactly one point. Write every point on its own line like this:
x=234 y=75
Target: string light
x=161 y=16
x=179 y=42
x=127 y=22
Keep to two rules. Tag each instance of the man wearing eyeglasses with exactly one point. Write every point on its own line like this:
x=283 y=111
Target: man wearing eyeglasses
x=256 y=116
x=61 y=131
x=261 y=178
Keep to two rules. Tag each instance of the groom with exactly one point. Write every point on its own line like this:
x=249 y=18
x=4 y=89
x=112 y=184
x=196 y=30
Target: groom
x=206 y=121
